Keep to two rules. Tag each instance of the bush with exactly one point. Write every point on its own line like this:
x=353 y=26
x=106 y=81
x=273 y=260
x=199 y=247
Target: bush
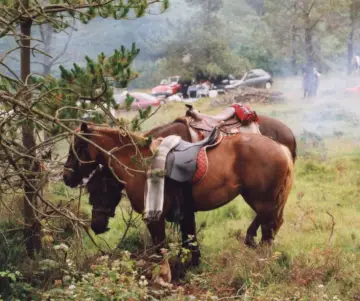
x=11 y=245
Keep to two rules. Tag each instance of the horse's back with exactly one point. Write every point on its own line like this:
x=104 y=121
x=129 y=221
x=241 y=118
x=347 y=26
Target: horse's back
x=242 y=162
x=261 y=155
x=278 y=131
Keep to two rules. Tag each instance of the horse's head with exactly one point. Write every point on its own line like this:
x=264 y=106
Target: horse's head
x=81 y=158
x=105 y=193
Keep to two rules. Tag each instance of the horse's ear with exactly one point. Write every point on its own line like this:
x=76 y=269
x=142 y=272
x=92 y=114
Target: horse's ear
x=84 y=127
x=190 y=107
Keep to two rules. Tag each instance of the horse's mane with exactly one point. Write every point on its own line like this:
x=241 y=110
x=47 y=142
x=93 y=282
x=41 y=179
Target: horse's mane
x=116 y=131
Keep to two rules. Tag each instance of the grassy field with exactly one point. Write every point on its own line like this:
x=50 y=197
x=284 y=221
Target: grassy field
x=316 y=255
x=317 y=251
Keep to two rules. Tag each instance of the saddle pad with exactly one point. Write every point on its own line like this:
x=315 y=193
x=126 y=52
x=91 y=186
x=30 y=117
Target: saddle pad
x=181 y=161
x=154 y=187
x=202 y=163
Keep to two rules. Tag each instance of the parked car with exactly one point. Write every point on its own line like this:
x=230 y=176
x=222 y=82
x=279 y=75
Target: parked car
x=167 y=87
x=141 y=100
x=257 y=78
x=199 y=90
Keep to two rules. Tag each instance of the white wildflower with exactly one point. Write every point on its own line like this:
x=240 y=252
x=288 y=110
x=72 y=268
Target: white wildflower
x=69 y=262
x=126 y=255
x=62 y=247
x=104 y=258
x=143 y=282
x=72 y=287
x=320 y=286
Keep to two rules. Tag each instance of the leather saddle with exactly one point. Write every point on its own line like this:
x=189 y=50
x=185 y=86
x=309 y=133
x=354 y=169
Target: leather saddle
x=181 y=161
x=233 y=120
x=227 y=121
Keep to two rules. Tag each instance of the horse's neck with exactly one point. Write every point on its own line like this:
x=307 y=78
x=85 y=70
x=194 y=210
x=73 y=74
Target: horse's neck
x=129 y=171
x=120 y=151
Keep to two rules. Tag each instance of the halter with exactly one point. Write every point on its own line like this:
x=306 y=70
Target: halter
x=107 y=212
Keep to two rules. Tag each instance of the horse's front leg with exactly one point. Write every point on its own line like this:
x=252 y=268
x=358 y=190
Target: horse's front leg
x=157 y=232
x=188 y=231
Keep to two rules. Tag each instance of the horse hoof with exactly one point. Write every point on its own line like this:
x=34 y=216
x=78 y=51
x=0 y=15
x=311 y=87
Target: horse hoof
x=267 y=242
x=250 y=242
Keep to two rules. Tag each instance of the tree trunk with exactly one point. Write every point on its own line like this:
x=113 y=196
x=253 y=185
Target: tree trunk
x=350 y=50
x=350 y=42
x=33 y=227
x=294 y=31
x=46 y=31
x=310 y=86
x=258 y=5
x=293 y=51
x=309 y=49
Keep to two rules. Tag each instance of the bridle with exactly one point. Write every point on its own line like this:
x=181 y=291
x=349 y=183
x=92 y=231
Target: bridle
x=86 y=160
x=107 y=212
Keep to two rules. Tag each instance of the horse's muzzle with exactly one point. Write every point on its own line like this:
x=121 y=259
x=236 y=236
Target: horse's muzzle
x=99 y=229
x=70 y=179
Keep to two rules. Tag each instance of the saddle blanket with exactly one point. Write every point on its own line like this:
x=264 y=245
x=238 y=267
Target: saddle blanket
x=202 y=162
x=180 y=161
x=154 y=187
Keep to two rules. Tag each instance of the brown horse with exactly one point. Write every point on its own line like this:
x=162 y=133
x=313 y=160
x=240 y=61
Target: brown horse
x=264 y=179
x=106 y=198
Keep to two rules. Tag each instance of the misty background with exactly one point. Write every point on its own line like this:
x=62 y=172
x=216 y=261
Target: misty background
x=230 y=37
x=220 y=37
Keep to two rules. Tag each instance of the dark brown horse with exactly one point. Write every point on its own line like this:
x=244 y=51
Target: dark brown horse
x=279 y=132
x=105 y=193
x=267 y=126
x=264 y=179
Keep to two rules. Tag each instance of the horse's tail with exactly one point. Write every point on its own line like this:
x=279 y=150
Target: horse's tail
x=286 y=187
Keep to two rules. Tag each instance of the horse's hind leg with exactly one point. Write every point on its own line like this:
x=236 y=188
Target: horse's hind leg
x=270 y=225
x=251 y=233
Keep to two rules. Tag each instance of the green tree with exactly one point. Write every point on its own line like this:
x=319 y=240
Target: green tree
x=202 y=46
x=353 y=17
x=303 y=26
x=25 y=91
